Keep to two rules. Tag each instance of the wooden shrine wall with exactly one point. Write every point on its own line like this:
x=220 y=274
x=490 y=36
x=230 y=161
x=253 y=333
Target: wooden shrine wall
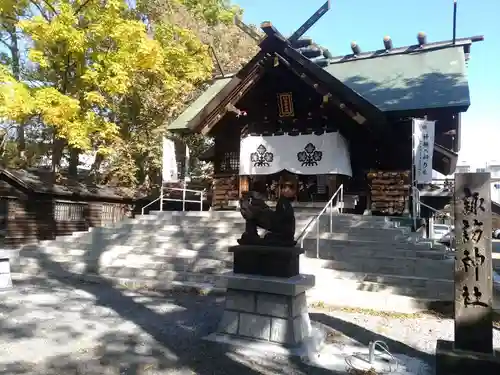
x=225 y=188
x=36 y=218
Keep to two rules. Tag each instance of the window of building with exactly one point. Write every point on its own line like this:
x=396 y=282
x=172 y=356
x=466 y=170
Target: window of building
x=68 y=212
x=229 y=162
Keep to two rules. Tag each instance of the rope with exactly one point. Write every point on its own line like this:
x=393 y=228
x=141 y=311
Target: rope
x=353 y=370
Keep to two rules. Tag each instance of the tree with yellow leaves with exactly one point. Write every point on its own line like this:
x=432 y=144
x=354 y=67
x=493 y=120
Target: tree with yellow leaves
x=109 y=78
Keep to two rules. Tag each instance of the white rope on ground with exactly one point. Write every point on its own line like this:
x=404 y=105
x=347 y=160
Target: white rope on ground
x=358 y=371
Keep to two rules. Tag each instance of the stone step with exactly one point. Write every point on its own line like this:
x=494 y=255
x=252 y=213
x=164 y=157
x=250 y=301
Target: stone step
x=332 y=283
x=388 y=265
x=313 y=243
x=187 y=225
x=212 y=216
x=173 y=233
x=333 y=287
x=128 y=265
x=127 y=257
x=196 y=216
x=350 y=253
x=152 y=275
x=422 y=263
x=366 y=235
x=144 y=243
x=193 y=216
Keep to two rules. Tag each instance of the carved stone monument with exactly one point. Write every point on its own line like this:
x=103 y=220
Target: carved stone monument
x=472 y=351
x=265 y=298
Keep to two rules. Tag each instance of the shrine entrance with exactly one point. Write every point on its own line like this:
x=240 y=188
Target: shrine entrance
x=309 y=188
x=314 y=163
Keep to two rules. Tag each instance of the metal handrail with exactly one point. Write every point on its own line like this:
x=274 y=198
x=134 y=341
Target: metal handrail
x=149 y=204
x=162 y=198
x=435 y=210
x=315 y=219
x=426 y=205
x=431 y=208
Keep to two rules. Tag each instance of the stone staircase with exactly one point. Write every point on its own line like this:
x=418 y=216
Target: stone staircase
x=373 y=262
x=364 y=262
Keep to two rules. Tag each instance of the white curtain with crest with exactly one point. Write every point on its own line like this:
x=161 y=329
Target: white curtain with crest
x=308 y=154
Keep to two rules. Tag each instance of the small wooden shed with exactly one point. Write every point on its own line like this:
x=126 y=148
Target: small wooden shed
x=34 y=206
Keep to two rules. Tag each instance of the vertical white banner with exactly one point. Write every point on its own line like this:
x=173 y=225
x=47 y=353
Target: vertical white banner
x=169 y=162
x=186 y=165
x=423 y=143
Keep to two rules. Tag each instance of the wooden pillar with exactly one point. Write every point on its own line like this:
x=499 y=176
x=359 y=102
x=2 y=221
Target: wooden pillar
x=473 y=264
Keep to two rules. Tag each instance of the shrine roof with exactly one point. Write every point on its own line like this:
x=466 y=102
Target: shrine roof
x=216 y=86
x=401 y=80
x=421 y=79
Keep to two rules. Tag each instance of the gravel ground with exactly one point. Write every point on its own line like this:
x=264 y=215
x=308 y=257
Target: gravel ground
x=55 y=327
x=59 y=328
x=405 y=334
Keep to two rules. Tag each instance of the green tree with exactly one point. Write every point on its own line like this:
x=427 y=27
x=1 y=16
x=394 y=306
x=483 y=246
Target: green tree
x=179 y=27
x=101 y=77
x=86 y=53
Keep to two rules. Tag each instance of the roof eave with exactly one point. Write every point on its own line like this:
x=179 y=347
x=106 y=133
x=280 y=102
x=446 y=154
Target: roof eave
x=198 y=123
x=461 y=42
x=424 y=111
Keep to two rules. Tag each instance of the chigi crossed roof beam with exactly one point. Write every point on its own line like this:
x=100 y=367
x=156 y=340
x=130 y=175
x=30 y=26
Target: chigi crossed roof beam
x=314 y=75
x=276 y=46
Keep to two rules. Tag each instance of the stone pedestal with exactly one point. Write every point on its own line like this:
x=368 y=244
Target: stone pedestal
x=267 y=308
x=266 y=260
x=5 y=274
x=452 y=361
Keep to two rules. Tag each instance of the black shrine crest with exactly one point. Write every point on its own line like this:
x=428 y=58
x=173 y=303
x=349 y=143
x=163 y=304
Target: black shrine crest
x=310 y=156
x=262 y=157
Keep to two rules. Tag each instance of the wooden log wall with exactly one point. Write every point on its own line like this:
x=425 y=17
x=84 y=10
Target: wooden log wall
x=390 y=191
x=225 y=191
x=30 y=220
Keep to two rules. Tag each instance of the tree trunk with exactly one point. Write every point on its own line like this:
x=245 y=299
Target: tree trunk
x=16 y=71
x=57 y=153
x=96 y=165
x=74 y=159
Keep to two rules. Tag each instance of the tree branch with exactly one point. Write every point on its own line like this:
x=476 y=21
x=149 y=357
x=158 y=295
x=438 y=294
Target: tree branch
x=83 y=5
x=66 y=72
x=41 y=10
x=50 y=6
x=6 y=44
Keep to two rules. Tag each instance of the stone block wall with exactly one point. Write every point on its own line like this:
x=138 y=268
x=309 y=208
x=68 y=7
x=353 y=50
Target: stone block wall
x=270 y=317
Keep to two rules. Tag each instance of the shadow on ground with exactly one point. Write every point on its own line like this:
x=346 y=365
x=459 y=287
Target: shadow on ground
x=59 y=325
x=62 y=327
x=364 y=336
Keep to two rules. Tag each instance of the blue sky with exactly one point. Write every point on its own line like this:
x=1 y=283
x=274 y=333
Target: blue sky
x=368 y=21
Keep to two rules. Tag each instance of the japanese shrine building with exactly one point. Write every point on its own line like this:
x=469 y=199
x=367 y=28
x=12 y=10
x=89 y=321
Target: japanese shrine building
x=294 y=112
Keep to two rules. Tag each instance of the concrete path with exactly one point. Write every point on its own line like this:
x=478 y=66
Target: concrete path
x=56 y=327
